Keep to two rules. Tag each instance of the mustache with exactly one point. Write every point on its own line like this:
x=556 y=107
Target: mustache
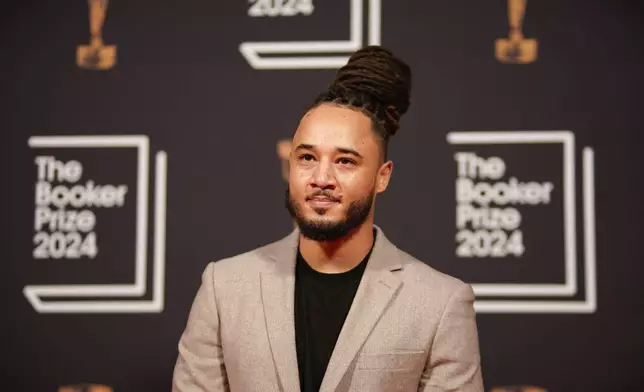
x=323 y=193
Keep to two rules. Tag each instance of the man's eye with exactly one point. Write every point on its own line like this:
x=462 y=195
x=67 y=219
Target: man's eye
x=306 y=157
x=346 y=161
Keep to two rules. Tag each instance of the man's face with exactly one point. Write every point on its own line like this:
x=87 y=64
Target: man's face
x=335 y=172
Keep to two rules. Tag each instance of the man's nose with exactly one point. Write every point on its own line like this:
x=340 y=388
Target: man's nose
x=323 y=176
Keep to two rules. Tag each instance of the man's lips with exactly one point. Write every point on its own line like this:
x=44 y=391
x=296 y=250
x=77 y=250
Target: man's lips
x=322 y=198
x=321 y=201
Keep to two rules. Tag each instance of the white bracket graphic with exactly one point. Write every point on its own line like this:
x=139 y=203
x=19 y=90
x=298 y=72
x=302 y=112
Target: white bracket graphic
x=36 y=293
x=253 y=51
x=569 y=287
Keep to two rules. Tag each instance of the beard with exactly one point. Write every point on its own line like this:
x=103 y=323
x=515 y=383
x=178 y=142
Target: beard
x=322 y=231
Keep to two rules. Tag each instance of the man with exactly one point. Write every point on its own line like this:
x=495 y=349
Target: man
x=334 y=306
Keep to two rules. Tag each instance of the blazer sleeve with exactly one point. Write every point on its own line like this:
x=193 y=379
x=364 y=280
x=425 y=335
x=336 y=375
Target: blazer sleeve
x=454 y=361
x=200 y=364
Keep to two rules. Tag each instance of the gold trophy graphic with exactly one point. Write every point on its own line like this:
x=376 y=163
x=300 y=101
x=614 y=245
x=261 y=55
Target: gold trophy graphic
x=96 y=55
x=518 y=389
x=284 y=147
x=85 y=388
x=283 y=152
x=516 y=49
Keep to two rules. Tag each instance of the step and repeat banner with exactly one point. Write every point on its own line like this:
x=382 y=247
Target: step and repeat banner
x=143 y=139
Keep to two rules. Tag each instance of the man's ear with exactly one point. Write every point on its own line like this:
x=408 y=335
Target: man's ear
x=384 y=175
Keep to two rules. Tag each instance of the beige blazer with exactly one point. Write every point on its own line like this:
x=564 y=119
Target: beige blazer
x=410 y=328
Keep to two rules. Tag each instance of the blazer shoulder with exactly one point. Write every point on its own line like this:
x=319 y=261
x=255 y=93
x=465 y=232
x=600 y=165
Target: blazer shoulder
x=429 y=279
x=236 y=265
x=243 y=264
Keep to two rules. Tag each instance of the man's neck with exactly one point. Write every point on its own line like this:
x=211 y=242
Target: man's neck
x=339 y=256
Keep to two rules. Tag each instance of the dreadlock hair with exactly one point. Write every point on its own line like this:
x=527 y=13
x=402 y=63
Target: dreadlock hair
x=375 y=83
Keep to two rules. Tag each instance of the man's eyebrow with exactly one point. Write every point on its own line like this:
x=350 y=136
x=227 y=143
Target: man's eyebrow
x=342 y=150
x=350 y=151
x=303 y=147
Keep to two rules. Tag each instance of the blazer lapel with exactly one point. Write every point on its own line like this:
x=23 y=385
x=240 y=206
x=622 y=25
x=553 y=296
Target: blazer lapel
x=376 y=290
x=277 y=285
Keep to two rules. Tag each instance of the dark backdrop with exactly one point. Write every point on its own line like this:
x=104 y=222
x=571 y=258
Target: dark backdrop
x=564 y=309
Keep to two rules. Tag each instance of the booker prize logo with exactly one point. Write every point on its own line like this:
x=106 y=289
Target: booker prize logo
x=80 y=182
x=96 y=55
x=64 y=220
x=487 y=213
x=312 y=54
x=517 y=224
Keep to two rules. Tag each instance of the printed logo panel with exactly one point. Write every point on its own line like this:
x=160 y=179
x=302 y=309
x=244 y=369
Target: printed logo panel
x=516 y=221
x=91 y=225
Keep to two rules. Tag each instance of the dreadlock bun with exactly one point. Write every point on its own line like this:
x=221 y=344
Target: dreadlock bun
x=376 y=82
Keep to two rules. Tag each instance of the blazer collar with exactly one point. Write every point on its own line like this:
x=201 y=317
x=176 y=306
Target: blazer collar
x=284 y=251
x=378 y=286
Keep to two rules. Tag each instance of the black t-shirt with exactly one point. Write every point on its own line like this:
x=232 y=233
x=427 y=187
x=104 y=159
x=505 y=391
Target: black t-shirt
x=322 y=302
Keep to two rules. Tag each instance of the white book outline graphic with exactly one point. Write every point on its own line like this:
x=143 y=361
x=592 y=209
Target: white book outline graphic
x=36 y=293
x=569 y=288
x=253 y=51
